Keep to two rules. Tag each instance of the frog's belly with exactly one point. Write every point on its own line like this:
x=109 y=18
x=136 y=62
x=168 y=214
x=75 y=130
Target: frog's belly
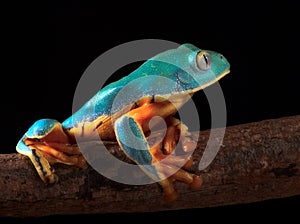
x=142 y=111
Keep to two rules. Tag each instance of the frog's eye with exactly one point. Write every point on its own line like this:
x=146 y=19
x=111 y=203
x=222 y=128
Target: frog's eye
x=203 y=60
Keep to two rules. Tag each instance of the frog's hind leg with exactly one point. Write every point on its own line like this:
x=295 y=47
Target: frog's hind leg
x=46 y=142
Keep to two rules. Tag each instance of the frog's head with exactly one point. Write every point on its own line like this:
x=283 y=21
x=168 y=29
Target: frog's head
x=195 y=68
x=205 y=66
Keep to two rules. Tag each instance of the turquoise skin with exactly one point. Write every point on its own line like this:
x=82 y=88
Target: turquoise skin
x=183 y=66
x=172 y=74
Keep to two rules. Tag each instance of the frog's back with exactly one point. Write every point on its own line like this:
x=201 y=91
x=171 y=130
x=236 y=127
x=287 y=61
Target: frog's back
x=158 y=76
x=99 y=105
x=117 y=95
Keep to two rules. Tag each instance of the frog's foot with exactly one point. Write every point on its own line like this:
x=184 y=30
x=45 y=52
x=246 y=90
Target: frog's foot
x=171 y=168
x=163 y=168
x=170 y=194
x=41 y=164
x=44 y=143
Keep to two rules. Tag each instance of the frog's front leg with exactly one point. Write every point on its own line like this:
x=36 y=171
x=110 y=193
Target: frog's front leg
x=162 y=167
x=176 y=131
x=46 y=142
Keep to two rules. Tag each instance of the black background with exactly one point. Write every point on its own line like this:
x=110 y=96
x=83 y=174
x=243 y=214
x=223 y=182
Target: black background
x=52 y=45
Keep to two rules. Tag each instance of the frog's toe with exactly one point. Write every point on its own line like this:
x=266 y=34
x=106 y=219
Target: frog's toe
x=51 y=178
x=169 y=191
x=193 y=180
x=174 y=174
x=180 y=174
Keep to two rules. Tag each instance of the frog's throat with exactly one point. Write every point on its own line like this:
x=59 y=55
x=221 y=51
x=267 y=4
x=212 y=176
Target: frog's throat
x=209 y=83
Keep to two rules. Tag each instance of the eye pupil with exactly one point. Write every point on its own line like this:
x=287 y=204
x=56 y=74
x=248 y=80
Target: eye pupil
x=205 y=58
x=203 y=61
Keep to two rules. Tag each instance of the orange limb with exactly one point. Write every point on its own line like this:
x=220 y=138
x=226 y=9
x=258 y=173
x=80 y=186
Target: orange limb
x=169 y=165
x=170 y=194
x=58 y=152
x=171 y=139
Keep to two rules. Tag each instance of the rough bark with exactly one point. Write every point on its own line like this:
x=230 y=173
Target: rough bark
x=257 y=161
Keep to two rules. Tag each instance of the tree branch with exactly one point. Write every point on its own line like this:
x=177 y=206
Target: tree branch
x=257 y=161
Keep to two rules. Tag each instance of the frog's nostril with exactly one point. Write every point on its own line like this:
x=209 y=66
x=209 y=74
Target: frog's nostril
x=221 y=56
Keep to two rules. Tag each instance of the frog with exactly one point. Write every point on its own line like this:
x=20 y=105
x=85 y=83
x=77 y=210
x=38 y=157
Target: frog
x=188 y=68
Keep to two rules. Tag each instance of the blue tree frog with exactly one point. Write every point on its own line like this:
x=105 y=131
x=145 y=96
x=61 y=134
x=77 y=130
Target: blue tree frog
x=48 y=141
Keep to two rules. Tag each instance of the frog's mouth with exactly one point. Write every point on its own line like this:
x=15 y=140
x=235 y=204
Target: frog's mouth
x=209 y=83
x=180 y=98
